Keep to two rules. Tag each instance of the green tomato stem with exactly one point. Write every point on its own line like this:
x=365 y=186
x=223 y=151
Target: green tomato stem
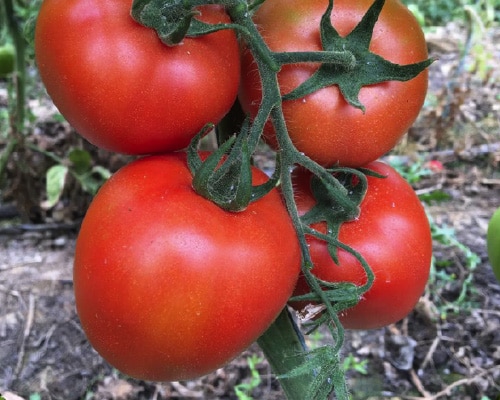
x=284 y=348
x=20 y=73
x=283 y=338
x=343 y=58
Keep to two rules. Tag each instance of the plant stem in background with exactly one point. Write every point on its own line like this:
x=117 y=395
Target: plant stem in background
x=19 y=80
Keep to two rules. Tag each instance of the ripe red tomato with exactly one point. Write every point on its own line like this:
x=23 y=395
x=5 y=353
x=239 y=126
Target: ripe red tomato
x=323 y=125
x=121 y=88
x=392 y=234
x=168 y=286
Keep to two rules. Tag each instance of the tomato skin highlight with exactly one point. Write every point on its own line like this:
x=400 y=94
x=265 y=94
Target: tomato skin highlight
x=168 y=286
x=493 y=243
x=121 y=88
x=392 y=234
x=323 y=125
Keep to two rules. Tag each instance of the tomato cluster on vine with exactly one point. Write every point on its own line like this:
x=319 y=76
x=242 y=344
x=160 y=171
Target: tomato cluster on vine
x=168 y=285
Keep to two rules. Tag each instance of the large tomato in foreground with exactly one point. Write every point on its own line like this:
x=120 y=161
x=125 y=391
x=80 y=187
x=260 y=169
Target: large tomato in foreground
x=168 y=286
x=392 y=234
x=493 y=243
x=121 y=88
x=323 y=125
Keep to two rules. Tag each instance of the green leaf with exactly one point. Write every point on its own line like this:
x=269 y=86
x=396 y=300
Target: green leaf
x=89 y=183
x=351 y=363
x=104 y=173
x=244 y=389
x=369 y=68
x=55 y=180
x=81 y=160
x=92 y=180
x=434 y=196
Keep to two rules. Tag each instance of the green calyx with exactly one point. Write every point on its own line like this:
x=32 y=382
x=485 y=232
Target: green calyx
x=225 y=177
x=368 y=68
x=171 y=20
x=175 y=19
x=333 y=209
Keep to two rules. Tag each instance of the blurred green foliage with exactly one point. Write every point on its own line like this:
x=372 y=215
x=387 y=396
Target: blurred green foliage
x=439 y=12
